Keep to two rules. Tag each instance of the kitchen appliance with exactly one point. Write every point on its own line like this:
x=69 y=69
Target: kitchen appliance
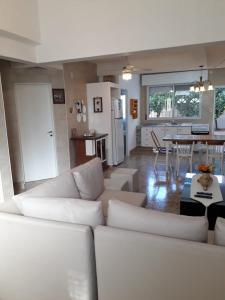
x=200 y=129
x=117 y=131
x=110 y=120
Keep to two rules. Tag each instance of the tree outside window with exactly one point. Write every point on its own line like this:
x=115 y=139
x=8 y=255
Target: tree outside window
x=219 y=102
x=174 y=101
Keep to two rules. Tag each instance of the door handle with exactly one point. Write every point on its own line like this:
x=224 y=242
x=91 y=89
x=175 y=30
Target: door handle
x=50 y=132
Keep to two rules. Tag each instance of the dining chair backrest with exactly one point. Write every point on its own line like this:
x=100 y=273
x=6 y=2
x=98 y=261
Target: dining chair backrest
x=215 y=147
x=185 y=147
x=155 y=141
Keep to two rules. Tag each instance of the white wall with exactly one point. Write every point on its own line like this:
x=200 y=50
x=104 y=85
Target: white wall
x=19 y=29
x=82 y=29
x=20 y=17
x=133 y=88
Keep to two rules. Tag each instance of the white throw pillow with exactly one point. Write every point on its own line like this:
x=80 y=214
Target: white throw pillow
x=126 y=216
x=220 y=232
x=62 y=209
x=62 y=186
x=89 y=179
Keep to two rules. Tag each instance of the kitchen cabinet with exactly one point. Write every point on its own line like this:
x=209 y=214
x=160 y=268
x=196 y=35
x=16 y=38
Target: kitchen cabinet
x=88 y=147
x=161 y=131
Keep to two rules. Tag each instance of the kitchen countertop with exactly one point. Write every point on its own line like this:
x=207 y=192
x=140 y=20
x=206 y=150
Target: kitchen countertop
x=93 y=137
x=167 y=125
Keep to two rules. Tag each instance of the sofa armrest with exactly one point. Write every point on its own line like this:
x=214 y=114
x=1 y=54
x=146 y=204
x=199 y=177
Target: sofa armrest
x=40 y=257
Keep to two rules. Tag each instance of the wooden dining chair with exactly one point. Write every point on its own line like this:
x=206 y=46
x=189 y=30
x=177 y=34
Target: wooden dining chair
x=215 y=151
x=184 y=150
x=158 y=149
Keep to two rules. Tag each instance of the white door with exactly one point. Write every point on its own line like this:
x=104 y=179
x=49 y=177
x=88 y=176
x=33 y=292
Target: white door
x=35 y=118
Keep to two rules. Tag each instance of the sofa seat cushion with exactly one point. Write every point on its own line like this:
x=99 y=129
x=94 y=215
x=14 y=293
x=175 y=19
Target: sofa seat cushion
x=61 y=186
x=136 y=199
x=89 y=179
x=62 y=209
x=125 y=216
x=220 y=232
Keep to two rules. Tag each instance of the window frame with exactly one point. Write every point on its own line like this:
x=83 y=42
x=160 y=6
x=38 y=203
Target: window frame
x=172 y=117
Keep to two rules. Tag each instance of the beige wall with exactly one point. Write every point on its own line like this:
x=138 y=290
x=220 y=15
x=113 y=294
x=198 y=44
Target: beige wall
x=10 y=76
x=76 y=76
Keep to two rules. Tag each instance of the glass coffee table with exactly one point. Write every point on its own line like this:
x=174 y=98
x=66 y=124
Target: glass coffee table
x=192 y=207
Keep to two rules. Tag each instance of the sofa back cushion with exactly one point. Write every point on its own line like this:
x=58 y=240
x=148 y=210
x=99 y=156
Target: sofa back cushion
x=62 y=209
x=89 y=179
x=220 y=232
x=125 y=216
x=61 y=186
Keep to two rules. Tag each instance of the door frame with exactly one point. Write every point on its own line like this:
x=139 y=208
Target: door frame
x=52 y=121
x=125 y=92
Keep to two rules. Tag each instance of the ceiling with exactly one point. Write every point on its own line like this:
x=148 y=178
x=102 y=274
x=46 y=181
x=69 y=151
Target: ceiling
x=210 y=56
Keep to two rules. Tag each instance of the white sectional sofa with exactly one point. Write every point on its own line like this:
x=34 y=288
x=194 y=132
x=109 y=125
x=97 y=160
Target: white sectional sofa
x=140 y=254
x=50 y=260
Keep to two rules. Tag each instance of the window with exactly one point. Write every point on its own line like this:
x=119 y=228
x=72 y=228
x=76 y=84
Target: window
x=173 y=101
x=219 y=110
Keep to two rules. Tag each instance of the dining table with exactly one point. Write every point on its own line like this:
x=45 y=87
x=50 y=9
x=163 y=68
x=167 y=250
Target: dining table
x=198 y=139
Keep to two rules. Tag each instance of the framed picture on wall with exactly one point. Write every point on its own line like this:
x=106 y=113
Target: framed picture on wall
x=97 y=101
x=58 y=96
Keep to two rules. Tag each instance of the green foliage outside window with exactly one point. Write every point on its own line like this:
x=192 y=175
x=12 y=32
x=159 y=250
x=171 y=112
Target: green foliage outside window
x=158 y=102
x=187 y=105
x=219 y=102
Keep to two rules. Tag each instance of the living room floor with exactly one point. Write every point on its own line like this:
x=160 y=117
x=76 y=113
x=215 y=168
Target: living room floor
x=163 y=193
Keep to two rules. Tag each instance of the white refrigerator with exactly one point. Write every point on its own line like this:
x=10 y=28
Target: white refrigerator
x=109 y=120
x=117 y=131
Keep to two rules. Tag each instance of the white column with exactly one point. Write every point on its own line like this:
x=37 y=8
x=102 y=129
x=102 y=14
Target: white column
x=6 y=183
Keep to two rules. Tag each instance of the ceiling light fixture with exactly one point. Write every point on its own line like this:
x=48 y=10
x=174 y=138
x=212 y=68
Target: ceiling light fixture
x=126 y=74
x=201 y=86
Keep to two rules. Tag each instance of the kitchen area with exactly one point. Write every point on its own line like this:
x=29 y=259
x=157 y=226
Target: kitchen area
x=144 y=138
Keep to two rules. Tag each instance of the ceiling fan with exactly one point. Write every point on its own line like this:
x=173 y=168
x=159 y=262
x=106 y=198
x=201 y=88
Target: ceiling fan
x=128 y=70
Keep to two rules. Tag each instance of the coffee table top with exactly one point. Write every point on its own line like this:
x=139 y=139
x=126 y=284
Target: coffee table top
x=185 y=195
